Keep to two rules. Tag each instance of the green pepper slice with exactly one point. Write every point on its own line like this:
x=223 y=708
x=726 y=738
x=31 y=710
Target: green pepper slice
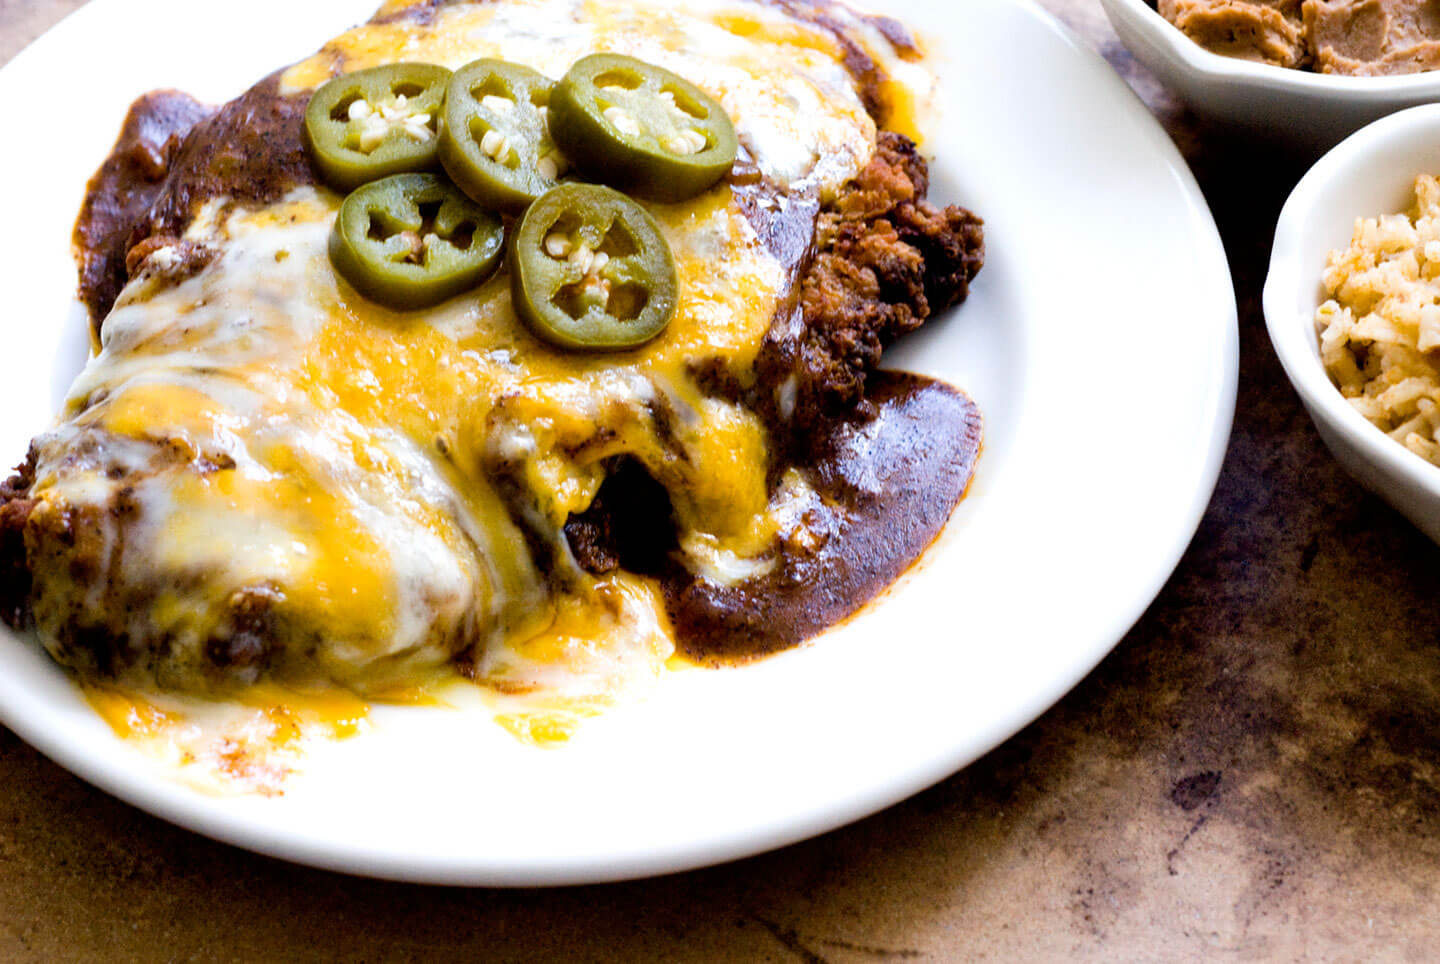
x=641 y=128
x=495 y=144
x=590 y=270
x=412 y=240
x=373 y=123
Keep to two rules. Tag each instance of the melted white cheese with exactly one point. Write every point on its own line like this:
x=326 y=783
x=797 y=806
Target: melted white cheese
x=783 y=83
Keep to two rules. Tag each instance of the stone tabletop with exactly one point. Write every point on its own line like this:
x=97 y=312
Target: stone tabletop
x=1252 y=774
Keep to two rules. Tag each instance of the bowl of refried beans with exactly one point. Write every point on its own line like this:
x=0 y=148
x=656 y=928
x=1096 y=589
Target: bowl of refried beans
x=1306 y=71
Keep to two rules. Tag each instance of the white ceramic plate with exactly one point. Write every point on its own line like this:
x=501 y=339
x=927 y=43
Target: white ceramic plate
x=1369 y=174
x=1311 y=109
x=1100 y=342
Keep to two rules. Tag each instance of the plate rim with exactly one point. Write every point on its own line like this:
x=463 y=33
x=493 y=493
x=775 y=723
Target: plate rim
x=133 y=787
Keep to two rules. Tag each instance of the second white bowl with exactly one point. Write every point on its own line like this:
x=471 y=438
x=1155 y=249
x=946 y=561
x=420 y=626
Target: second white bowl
x=1371 y=173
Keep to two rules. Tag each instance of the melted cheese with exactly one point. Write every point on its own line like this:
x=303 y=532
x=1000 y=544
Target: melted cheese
x=335 y=452
x=251 y=744
x=782 y=82
x=278 y=434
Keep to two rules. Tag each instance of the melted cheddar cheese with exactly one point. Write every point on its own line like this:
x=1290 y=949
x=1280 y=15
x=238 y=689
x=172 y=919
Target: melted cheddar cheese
x=353 y=474
x=783 y=82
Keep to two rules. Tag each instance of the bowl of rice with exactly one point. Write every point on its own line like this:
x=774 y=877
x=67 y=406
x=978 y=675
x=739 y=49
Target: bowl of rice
x=1352 y=305
x=1245 y=85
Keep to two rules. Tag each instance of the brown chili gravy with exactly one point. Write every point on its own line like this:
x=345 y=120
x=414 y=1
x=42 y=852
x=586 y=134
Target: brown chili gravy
x=889 y=472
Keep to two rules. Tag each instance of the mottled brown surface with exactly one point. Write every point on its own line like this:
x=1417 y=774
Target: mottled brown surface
x=1363 y=38
x=1373 y=37
x=1254 y=774
x=1265 y=31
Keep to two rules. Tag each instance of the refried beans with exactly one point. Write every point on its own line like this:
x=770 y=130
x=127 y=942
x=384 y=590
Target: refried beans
x=1360 y=38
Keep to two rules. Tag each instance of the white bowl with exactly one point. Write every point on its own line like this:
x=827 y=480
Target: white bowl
x=1309 y=109
x=1370 y=173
